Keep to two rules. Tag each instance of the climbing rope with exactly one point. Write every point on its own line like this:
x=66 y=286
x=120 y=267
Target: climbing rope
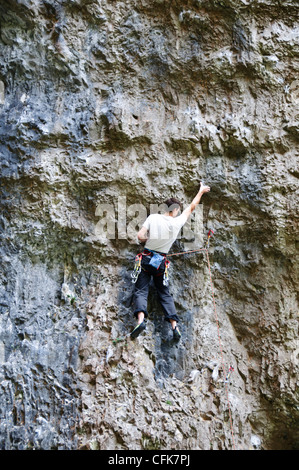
x=205 y=250
x=221 y=352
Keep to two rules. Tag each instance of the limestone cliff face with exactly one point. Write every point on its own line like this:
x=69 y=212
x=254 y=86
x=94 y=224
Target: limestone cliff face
x=126 y=102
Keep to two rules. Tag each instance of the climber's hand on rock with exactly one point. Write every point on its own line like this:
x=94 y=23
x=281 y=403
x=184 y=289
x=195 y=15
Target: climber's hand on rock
x=203 y=188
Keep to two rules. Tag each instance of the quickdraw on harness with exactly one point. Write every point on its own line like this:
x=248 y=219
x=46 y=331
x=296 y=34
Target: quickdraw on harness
x=165 y=275
x=137 y=268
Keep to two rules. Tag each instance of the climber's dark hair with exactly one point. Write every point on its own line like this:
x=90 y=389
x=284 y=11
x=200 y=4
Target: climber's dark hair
x=173 y=203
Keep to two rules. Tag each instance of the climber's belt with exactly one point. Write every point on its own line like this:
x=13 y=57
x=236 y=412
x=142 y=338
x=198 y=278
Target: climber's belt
x=152 y=252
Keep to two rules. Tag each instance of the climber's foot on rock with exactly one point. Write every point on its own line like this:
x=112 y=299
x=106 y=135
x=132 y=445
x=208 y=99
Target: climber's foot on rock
x=176 y=334
x=138 y=329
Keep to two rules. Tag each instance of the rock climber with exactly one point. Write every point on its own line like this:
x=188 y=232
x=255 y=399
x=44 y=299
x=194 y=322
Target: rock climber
x=159 y=231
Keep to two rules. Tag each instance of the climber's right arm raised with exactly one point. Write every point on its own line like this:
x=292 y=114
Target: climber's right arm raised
x=202 y=190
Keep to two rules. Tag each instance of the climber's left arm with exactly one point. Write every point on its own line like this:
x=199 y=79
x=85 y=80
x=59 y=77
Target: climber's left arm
x=142 y=235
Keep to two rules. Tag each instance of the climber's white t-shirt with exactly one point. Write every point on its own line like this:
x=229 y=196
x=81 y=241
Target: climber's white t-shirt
x=163 y=231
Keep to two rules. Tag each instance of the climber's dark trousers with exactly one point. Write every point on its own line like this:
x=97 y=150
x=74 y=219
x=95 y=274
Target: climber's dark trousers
x=142 y=288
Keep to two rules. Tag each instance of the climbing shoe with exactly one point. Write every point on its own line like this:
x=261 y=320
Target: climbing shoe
x=138 y=329
x=176 y=334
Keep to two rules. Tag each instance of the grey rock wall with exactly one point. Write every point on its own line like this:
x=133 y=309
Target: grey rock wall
x=125 y=103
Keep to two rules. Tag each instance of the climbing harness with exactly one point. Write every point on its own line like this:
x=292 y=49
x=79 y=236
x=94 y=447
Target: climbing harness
x=155 y=261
